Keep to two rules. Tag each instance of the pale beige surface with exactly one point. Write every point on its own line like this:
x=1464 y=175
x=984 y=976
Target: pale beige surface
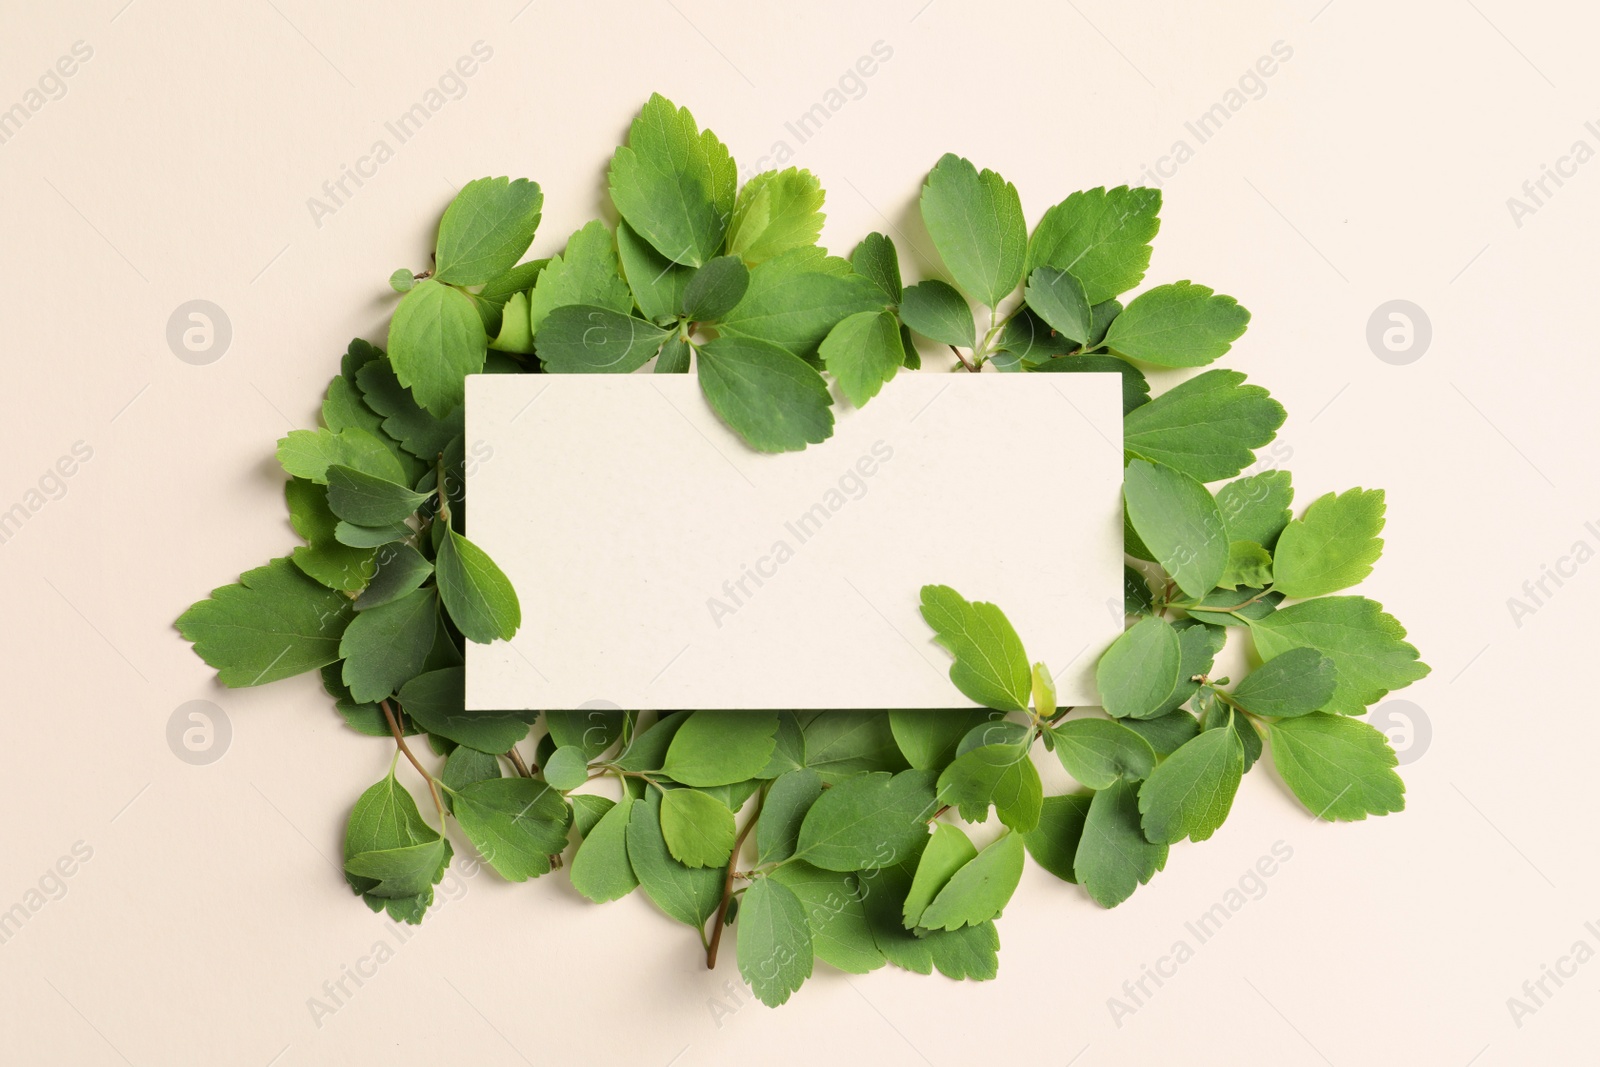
x=1376 y=166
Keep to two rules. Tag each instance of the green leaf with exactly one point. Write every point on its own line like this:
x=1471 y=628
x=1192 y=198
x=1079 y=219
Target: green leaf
x=839 y=744
x=1367 y=646
x=354 y=536
x=698 y=829
x=323 y=557
x=969 y=952
x=343 y=408
x=385 y=819
x=1053 y=844
x=401 y=569
x=516 y=824
x=436 y=339
x=790 y=797
x=991 y=668
x=361 y=498
x=600 y=868
x=975 y=220
x=657 y=282
x=688 y=894
x=875 y=258
x=308 y=454
x=591 y=730
x=384 y=647
x=1198 y=645
x=1139 y=671
x=475 y=591
x=674 y=356
x=586 y=273
x=1001 y=775
x=715 y=289
x=1178 y=325
x=775 y=953
x=1256 y=508
x=863 y=352
x=486 y=229
x=1059 y=299
x=794 y=301
x=939 y=313
x=436 y=700
x=947 y=851
x=499 y=290
x=1190 y=793
x=419 y=432
x=1165 y=732
x=1102 y=237
x=770 y=398
x=584 y=339
x=1332 y=547
x=789 y=749
x=1239 y=607
x=776 y=211
x=1295 y=682
x=867 y=821
x=980 y=889
x=674 y=184
x=721 y=747
x=1178 y=520
x=1249 y=565
x=410 y=871
x=1097 y=752
x=566 y=768
x=274 y=623
x=1114 y=858
x=1218 y=716
x=1341 y=769
x=835 y=910
x=1136 y=596
x=1208 y=427
x=1135 y=389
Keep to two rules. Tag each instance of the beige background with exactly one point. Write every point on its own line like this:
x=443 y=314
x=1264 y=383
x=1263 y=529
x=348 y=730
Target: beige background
x=1376 y=166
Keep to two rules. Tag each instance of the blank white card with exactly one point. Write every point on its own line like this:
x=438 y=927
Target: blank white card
x=663 y=564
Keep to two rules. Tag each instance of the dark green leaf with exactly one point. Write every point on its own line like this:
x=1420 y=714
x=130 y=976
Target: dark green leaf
x=486 y=229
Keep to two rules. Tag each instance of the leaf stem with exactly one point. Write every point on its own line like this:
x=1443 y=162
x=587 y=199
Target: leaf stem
x=727 y=883
x=400 y=740
x=517 y=762
x=965 y=362
x=444 y=497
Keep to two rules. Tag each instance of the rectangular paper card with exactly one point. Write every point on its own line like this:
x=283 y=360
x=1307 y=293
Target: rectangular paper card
x=663 y=564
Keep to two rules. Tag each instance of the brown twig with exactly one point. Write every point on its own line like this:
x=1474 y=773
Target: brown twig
x=517 y=762
x=400 y=740
x=727 y=885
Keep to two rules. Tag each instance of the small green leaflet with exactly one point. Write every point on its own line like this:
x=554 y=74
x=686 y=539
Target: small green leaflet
x=1367 y=646
x=1332 y=546
x=868 y=821
x=1341 y=769
x=384 y=647
x=1114 y=858
x=419 y=432
x=785 y=808
x=980 y=889
x=436 y=701
x=1097 y=752
x=475 y=591
x=1102 y=237
x=323 y=556
x=590 y=730
x=657 y=282
x=566 y=768
x=715 y=289
x=1208 y=427
x=721 y=747
x=1165 y=732
x=400 y=569
x=863 y=353
x=486 y=229
x=674 y=184
x=698 y=829
x=308 y=454
x=936 y=311
x=1058 y=298
x=975 y=220
x=991 y=668
x=842 y=743
x=1256 y=508
x=948 y=850
x=774 y=949
x=835 y=909
x=275 y=623
x=516 y=824
x=1295 y=682
x=355 y=536
x=1178 y=325
x=688 y=894
x=586 y=273
x=600 y=868
x=1053 y=844
x=361 y=498
x=385 y=821
x=1249 y=565
x=1190 y=793
x=1178 y=520
x=1139 y=671
x=776 y=211
x=794 y=300
x=875 y=258
x=436 y=339
x=585 y=339
x=1001 y=775
x=770 y=398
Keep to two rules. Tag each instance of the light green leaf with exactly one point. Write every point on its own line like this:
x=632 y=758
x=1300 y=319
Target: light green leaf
x=384 y=647
x=775 y=953
x=516 y=824
x=1097 y=752
x=1044 y=692
x=867 y=821
x=308 y=454
x=1218 y=716
x=584 y=339
x=1140 y=670
x=1101 y=237
x=796 y=298
x=1256 y=508
x=1208 y=427
x=1295 y=682
x=323 y=557
x=1190 y=793
x=947 y=851
x=1341 y=769
x=835 y=909
x=688 y=894
x=698 y=829
x=1249 y=565
x=657 y=282
x=1332 y=547
x=275 y=623
x=785 y=808
x=600 y=868
x=721 y=747
x=674 y=184
x=863 y=352
x=991 y=668
x=1367 y=646
x=674 y=356
x=1114 y=858
x=839 y=744
x=1178 y=520
x=875 y=257
x=515 y=334
x=980 y=889
x=385 y=819
x=591 y=730
x=586 y=273
x=486 y=229
x=1053 y=844
x=354 y=536
x=436 y=339
x=975 y=220
x=475 y=591
x=436 y=701
x=1059 y=299
x=1001 y=775
x=939 y=313
x=769 y=397
x=401 y=569
x=362 y=498
x=715 y=289
x=1178 y=325
x=566 y=768
x=411 y=871
x=776 y=211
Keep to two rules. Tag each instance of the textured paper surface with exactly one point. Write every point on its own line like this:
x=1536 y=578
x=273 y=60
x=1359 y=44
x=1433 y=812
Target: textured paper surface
x=662 y=563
